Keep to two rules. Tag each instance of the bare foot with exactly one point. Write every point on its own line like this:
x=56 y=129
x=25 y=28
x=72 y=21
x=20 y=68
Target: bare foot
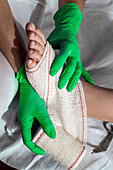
x=36 y=47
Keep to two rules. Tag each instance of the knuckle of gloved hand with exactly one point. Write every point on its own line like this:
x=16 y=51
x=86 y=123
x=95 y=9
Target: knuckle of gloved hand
x=73 y=46
x=46 y=121
x=79 y=68
x=72 y=61
x=78 y=72
x=76 y=54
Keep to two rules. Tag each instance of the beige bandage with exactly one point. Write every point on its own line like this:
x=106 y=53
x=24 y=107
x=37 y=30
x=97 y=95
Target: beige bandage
x=67 y=111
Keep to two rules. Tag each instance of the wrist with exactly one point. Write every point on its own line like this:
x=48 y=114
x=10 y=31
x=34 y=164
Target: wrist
x=79 y=3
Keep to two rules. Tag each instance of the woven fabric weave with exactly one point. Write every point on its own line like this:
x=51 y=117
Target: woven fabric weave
x=67 y=111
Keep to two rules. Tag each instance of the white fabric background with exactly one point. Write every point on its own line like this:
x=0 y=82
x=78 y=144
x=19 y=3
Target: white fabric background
x=95 y=41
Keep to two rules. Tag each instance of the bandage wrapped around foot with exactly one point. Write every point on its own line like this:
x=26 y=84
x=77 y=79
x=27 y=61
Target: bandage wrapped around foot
x=67 y=111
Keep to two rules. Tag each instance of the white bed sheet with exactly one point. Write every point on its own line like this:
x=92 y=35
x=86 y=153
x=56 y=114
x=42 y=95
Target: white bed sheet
x=96 y=44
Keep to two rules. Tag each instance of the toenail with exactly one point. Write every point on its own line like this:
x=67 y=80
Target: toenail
x=33 y=43
x=31 y=51
x=32 y=34
x=30 y=61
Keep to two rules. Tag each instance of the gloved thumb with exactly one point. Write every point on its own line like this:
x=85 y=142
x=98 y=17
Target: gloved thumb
x=46 y=124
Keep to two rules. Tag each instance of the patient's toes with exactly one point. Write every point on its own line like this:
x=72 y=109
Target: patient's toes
x=36 y=37
x=30 y=27
x=36 y=46
x=35 y=55
x=33 y=58
x=34 y=33
x=37 y=43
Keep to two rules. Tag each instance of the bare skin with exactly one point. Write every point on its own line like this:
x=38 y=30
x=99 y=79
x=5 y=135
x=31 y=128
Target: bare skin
x=12 y=45
x=79 y=3
x=98 y=100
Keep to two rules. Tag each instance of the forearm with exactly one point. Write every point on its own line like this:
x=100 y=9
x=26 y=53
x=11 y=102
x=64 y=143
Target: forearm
x=79 y=3
x=11 y=43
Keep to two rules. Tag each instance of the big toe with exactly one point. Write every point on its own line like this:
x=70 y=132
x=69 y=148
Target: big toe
x=30 y=27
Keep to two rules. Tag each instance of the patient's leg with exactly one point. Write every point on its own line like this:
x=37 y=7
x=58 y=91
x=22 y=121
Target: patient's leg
x=99 y=100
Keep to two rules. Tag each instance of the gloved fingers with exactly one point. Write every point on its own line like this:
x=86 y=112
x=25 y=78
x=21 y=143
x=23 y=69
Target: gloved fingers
x=27 y=138
x=59 y=61
x=68 y=72
x=46 y=124
x=34 y=148
x=74 y=79
x=65 y=51
x=86 y=75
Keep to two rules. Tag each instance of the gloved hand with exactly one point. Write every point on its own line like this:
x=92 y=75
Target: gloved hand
x=64 y=37
x=32 y=106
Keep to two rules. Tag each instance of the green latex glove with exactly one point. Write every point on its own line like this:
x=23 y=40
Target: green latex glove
x=64 y=37
x=32 y=106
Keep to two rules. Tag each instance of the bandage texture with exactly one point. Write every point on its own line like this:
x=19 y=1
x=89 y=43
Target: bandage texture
x=67 y=111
